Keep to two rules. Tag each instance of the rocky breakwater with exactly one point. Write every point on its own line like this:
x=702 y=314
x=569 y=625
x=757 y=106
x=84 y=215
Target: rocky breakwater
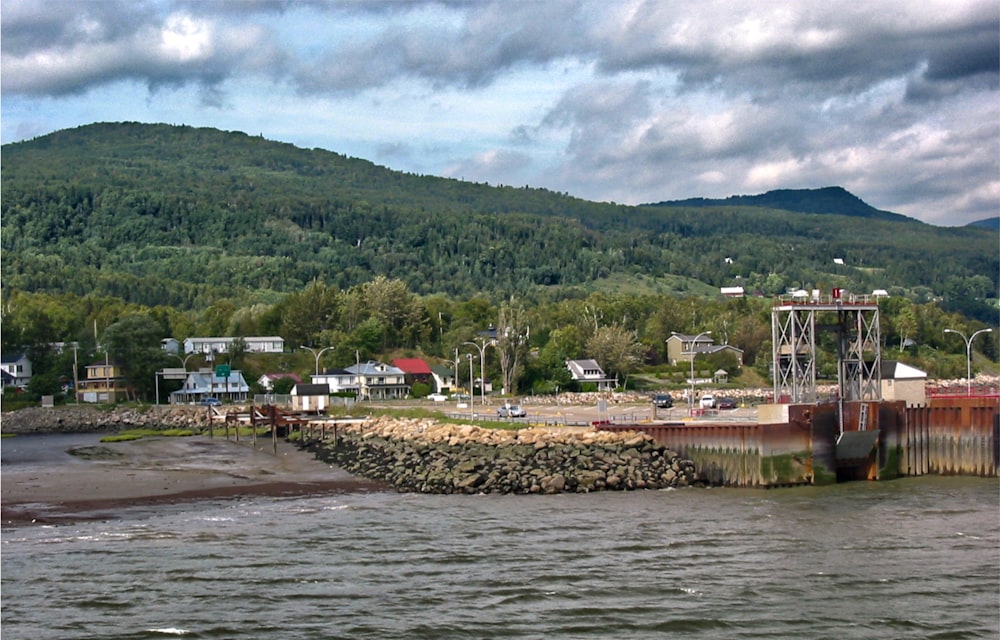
x=429 y=457
x=83 y=418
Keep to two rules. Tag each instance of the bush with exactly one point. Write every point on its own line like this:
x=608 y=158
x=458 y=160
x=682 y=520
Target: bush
x=420 y=390
x=545 y=388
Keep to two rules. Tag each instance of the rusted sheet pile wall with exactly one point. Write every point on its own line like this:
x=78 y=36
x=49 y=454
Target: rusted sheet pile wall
x=823 y=425
x=951 y=438
x=885 y=418
x=800 y=446
x=892 y=452
x=741 y=455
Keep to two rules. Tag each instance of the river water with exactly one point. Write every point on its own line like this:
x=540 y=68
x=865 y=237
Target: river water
x=912 y=558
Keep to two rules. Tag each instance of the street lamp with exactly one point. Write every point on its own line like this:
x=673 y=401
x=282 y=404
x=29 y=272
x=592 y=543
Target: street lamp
x=316 y=354
x=482 y=372
x=693 y=354
x=157 y=374
x=184 y=360
x=968 y=356
x=472 y=390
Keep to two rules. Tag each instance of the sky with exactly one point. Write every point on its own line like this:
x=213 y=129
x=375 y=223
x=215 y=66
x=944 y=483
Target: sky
x=627 y=101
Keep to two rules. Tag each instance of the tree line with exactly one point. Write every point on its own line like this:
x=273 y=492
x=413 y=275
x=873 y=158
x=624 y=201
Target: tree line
x=383 y=318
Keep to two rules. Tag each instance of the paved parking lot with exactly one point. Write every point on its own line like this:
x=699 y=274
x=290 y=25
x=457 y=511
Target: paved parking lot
x=579 y=414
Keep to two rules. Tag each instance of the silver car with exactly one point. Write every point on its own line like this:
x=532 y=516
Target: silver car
x=511 y=411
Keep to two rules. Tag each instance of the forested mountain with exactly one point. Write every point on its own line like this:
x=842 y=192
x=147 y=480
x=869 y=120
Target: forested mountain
x=181 y=216
x=834 y=200
x=987 y=223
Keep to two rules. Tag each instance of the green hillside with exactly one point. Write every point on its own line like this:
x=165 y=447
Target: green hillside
x=835 y=200
x=179 y=216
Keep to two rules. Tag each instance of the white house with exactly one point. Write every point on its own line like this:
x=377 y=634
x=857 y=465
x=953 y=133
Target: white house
x=267 y=380
x=337 y=380
x=18 y=367
x=254 y=344
x=368 y=380
x=444 y=378
x=205 y=384
x=380 y=381
x=584 y=371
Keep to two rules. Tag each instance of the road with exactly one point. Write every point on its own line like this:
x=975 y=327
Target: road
x=585 y=414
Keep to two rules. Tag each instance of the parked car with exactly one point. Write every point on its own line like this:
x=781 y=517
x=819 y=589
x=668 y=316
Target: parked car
x=437 y=397
x=511 y=411
x=211 y=402
x=726 y=403
x=707 y=401
x=663 y=400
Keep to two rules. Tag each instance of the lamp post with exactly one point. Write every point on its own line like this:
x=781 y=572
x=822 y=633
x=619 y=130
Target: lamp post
x=472 y=390
x=316 y=354
x=184 y=360
x=968 y=355
x=156 y=376
x=693 y=354
x=482 y=373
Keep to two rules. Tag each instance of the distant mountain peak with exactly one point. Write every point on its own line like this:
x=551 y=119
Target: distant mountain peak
x=826 y=200
x=986 y=223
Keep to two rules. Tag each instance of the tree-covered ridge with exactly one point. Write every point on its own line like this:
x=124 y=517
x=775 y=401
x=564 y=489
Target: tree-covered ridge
x=158 y=214
x=835 y=200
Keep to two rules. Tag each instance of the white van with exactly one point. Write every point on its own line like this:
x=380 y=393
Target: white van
x=707 y=401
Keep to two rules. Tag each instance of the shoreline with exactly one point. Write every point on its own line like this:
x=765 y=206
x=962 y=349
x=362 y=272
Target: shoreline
x=158 y=471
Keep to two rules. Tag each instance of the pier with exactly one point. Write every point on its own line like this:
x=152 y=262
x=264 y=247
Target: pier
x=824 y=443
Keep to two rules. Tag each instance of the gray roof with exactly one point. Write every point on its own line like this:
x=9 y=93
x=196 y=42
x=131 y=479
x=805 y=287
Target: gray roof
x=373 y=368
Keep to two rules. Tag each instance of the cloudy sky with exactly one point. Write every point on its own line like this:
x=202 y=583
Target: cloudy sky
x=628 y=101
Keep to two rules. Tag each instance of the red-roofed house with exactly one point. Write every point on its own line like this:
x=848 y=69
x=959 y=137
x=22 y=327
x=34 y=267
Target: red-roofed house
x=414 y=370
x=266 y=381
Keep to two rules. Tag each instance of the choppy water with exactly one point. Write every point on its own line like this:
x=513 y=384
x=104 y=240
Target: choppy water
x=917 y=558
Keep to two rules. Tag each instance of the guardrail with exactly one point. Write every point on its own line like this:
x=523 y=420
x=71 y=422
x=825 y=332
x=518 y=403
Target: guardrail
x=807 y=297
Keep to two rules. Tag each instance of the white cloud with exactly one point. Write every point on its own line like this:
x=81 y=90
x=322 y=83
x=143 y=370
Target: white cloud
x=632 y=101
x=184 y=39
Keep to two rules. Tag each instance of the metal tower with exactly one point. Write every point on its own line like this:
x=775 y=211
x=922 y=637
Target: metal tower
x=855 y=321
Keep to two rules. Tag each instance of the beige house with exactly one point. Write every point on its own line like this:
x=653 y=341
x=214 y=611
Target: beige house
x=903 y=382
x=104 y=383
x=683 y=348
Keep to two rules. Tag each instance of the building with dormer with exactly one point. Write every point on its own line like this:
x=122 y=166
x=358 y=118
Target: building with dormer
x=588 y=371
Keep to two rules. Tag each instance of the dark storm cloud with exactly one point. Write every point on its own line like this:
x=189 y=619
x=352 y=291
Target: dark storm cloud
x=62 y=48
x=29 y=27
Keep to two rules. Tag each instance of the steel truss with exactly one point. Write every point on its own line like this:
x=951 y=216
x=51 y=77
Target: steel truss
x=793 y=339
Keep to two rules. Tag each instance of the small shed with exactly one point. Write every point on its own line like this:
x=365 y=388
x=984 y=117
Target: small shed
x=903 y=382
x=310 y=397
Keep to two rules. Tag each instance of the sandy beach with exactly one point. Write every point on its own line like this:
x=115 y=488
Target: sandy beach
x=100 y=478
